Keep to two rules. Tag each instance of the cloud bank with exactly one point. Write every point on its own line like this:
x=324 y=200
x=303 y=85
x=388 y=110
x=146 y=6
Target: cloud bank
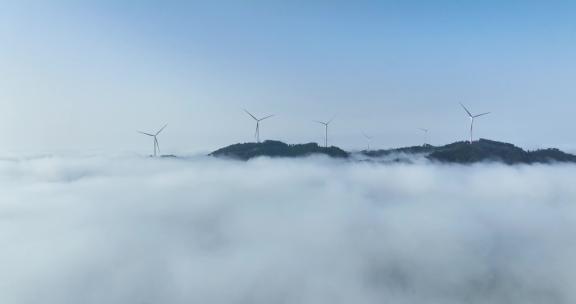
x=136 y=230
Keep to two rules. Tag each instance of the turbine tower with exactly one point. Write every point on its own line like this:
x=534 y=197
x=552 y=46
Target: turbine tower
x=368 y=139
x=426 y=137
x=257 y=133
x=155 y=136
x=326 y=124
x=472 y=117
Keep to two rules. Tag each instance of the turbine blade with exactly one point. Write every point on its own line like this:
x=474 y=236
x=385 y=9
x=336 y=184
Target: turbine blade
x=261 y=119
x=145 y=133
x=365 y=135
x=320 y=122
x=468 y=112
x=164 y=127
x=250 y=114
x=331 y=119
x=482 y=114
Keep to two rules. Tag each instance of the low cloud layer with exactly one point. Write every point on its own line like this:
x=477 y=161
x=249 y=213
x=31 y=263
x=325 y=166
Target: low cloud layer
x=136 y=230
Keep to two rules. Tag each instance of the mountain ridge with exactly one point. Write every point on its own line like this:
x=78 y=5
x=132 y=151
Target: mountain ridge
x=273 y=148
x=461 y=152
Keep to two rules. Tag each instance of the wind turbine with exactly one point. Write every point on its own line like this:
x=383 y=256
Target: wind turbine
x=472 y=117
x=155 y=136
x=368 y=138
x=257 y=133
x=426 y=137
x=326 y=124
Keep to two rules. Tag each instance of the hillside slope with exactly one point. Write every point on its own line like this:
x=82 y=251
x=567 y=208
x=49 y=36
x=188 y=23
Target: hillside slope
x=480 y=151
x=272 y=148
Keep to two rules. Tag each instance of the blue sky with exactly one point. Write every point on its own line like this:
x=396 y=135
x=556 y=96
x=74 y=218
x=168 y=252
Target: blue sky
x=84 y=75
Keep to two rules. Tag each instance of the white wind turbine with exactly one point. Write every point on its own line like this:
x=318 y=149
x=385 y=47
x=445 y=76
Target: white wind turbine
x=472 y=117
x=155 y=136
x=426 y=135
x=257 y=133
x=326 y=124
x=368 y=139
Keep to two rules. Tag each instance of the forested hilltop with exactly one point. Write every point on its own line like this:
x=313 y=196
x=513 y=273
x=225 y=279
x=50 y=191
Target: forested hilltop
x=459 y=152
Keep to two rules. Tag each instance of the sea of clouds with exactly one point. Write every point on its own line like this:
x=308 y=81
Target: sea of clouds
x=139 y=230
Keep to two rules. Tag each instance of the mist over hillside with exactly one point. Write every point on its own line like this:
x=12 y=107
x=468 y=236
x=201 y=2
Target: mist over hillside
x=313 y=230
